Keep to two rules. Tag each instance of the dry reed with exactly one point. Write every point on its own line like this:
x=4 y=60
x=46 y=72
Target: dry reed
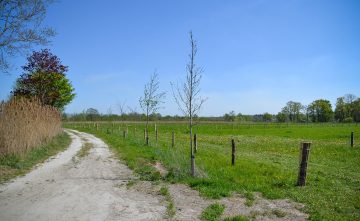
x=25 y=124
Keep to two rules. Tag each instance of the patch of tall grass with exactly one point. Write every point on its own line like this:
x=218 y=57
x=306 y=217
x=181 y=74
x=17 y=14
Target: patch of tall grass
x=26 y=124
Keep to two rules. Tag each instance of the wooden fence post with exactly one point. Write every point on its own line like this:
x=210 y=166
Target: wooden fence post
x=124 y=134
x=173 y=139
x=304 y=156
x=352 y=139
x=156 y=134
x=195 y=144
x=233 y=152
x=144 y=134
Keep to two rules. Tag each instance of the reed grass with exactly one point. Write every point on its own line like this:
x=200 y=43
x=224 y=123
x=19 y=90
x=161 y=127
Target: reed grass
x=26 y=124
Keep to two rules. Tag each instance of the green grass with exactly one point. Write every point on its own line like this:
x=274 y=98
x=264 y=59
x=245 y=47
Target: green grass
x=85 y=150
x=131 y=183
x=170 y=209
x=15 y=165
x=213 y=212
x=164 y=191
x=250 y=198
x=237 y=218
x=279 y=213
x=267 y=159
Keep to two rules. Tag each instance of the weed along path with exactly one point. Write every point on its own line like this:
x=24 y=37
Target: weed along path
x=86 y=182
x=82 y=183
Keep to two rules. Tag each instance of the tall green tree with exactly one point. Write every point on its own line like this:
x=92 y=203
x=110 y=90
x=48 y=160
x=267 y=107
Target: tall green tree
x=267 y=117
x=92 y=114
x=346 y=108
x=293 y=111
x=341 y=112
x=320 y=111
x=356 y=110
x=44 y=77
x=281 y=117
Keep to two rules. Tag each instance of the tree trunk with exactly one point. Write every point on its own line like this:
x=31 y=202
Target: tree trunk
x=146 y=128
x=192 y=156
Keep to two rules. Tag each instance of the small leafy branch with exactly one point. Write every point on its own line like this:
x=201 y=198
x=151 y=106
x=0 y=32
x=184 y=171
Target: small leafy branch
x=152 y=99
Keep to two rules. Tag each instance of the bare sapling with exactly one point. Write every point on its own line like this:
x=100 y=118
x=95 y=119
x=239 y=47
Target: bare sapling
x=187 y=96
x=152 y=99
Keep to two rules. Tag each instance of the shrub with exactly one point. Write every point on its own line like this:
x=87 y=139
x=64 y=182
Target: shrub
x=348 y=120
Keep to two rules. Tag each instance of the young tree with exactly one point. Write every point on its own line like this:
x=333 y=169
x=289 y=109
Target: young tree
x=45 y=79
x=21 y=27
x=121 y=106
x=188 y=96
x=152 y=99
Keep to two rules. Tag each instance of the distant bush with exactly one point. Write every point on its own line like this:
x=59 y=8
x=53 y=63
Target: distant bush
x=25 y=124
x=348 y=120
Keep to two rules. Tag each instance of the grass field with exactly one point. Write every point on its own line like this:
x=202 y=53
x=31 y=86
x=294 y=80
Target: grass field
x=267 y=160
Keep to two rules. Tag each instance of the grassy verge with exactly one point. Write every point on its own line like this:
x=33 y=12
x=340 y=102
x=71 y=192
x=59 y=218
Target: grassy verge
x=14 y=165
x=267 y=159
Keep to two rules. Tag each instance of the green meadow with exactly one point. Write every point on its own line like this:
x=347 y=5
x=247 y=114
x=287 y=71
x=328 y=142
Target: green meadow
x=267 y=161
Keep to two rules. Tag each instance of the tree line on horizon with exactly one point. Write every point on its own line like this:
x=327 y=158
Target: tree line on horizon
x=347 y=110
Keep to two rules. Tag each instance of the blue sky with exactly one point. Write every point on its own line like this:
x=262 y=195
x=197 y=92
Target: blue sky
x=257 y=55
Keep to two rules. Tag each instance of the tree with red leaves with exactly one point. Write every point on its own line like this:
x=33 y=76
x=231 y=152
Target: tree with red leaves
x=44 y=78
x=44 y=61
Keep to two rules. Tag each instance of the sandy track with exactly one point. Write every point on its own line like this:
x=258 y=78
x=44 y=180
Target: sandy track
x=89 y=188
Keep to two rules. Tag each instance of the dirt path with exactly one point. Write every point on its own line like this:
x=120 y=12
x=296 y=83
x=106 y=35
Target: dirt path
x=74 y=186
